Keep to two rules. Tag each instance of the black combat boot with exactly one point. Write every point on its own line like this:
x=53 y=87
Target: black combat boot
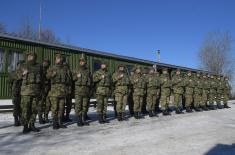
x=84 y=119
x=100 y=118
x=46 y=118
x=205 y=108
x=26 y=129
x=105 y=118
x=197 y=109
x=189 y=110
x=226 y=106
x=16 y=121
x=178 y=111
x=41 y=120
x=136 y=115
x=119 y=116
x=79 y=120
x=141 y=116
x=150 y=113
x=61 y=125
x=33 y=128
x=55 y=123
x=166 y=113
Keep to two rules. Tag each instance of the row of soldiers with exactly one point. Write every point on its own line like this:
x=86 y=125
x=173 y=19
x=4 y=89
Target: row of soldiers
x=37 y=88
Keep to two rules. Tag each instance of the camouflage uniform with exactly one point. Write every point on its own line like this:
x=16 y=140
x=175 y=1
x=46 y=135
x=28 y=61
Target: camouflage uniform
x=44 y=104
x=83 y=82
x=189 y=91
x=227 y=92
x=212 y=94
x=103 y=81
x=130 y=96
x=15 y=88
x=121 y=81
x=205 y=92
x=30 y=92
x=165 y=91
x=178 y=90
x=58 y=77
x=198 y=90
x=139 y=87
x=153 y=91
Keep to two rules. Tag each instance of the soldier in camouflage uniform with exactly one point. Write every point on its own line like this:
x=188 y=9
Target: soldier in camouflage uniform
x=121 y=89
x=44 y=104
x=59 y=78
x=30 y=92
x=130 y=96
x=212 y=94
x=83 y=82
x=198 y=90
x=205 y=92
x=68 y=99
x=139 y=88
x=15 y=87
x=153 y=91
x=103 y=81
x=189 y=91
x=219 y=92
x=227 y=92
x=166 y=85
x=178 y=90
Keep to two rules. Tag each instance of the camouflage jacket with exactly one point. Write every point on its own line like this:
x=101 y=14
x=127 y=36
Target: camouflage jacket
x=198 y=85
x=189 y=85
x=139 y=84
x=121 y=82
x=227 y=88
x=213 y=86
x=15 y=83
x=178 y=84
x=165 y=81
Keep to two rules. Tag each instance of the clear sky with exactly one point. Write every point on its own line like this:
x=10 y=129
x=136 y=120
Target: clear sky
x=134 y=28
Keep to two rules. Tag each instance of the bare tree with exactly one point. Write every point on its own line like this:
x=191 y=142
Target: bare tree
x=27 y=31
x=216 y=53
x=2 y=28
x=48 y=35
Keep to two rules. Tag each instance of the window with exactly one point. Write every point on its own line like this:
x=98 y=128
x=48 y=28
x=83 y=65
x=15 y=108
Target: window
x=96 y=65
x=1 y=60
x=13 y=58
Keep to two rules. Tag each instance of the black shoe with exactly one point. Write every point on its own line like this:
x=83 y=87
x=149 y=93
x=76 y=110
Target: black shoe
x=140 y=115
x=136 y=115
x=16 y=121
x=33 y=128
x=79 y=120
x=226 y=106
x=150 y=113
x=26 y=129
x=61 y=125
x=197 y=109
x=55 y=123
x=84 y=122
x=41 y=120
x=100 y=119
x=119 y=117
x=178 y=111
x=189 y=110
x=205 y=108
x=166 y=113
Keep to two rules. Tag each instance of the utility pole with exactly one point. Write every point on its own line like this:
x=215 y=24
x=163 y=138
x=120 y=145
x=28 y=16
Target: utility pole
x=158 y=56
x=40 y=21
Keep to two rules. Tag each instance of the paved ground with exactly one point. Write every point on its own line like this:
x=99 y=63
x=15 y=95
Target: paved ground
x=209 y=133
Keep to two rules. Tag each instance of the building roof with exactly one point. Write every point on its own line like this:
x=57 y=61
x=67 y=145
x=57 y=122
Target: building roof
x=7 y=36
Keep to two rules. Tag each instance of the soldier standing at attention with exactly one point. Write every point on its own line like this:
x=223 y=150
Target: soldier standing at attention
x=178 y=90
x=103 y=81
x=198 y=89
x=189 y=91
x=153 y=90
x=30 y=92
x=139 y=86
x=227 y=92
x=122 y=82
x=58 y=77
x=15 y=87
x=205 y=92
x=165 y=91
x=130 y=96
x=212 y=95
x=44 y=104
x=219 y=92
x=83 y=82
x=68 y=99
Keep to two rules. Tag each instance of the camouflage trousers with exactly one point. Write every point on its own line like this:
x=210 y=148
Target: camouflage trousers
x=225 y=99
x=29 y=106
x=16 y=106
x=205 y=97
x=57 y=107
x=138 y=102
x=102 y=103
x=188 y=100
x=198 y=100
x=44 y=106
x=218 y=98
x=152 y=100
x=164 y=100
x=81 y=104
x=212 y=98
x=177 y=99
x=121 y=102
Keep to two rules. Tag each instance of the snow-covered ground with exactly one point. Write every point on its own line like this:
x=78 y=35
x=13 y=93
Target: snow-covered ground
x=210 y=133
